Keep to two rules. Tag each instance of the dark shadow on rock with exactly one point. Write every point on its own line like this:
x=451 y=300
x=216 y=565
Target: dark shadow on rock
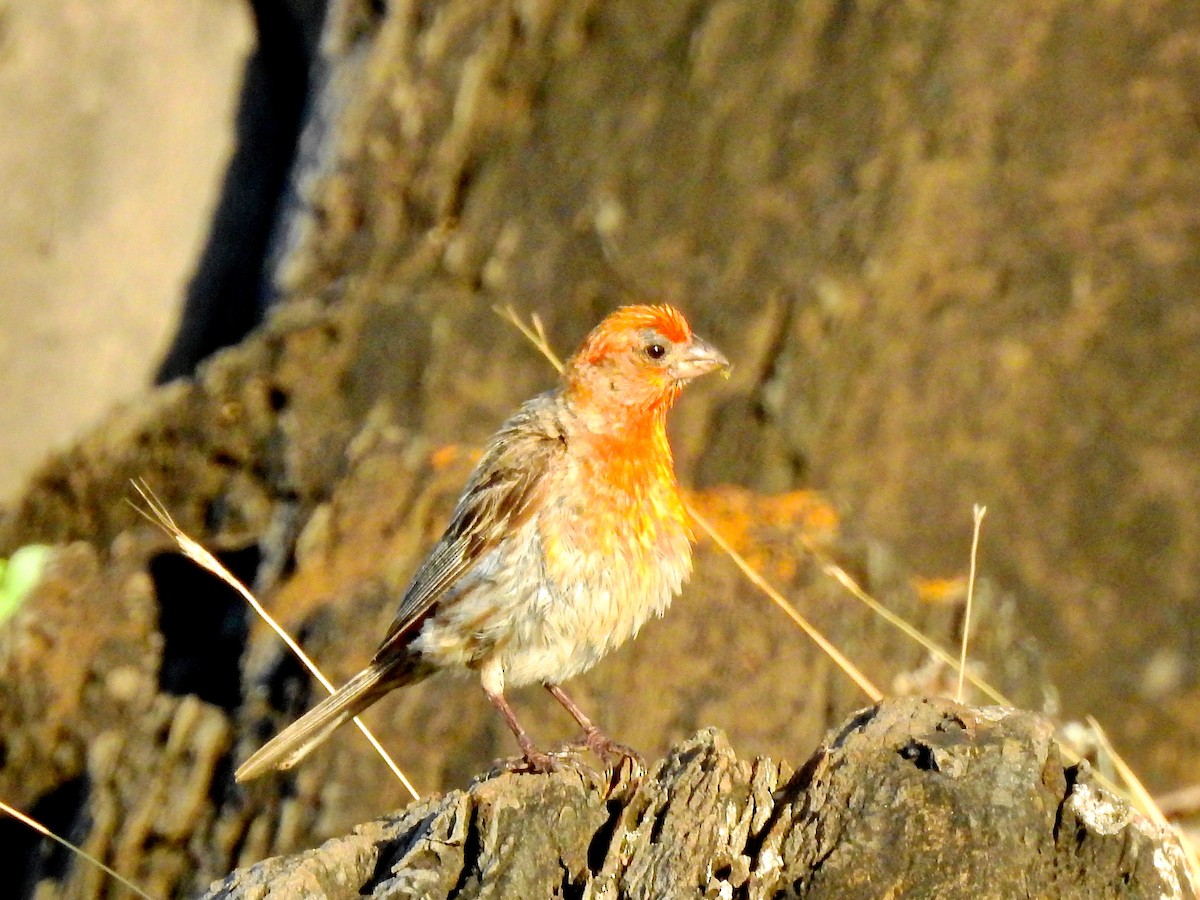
x=229 y=291
x=26 y=857
x=204 y=626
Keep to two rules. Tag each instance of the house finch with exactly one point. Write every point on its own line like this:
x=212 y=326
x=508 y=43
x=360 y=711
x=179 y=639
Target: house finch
x=569 y=535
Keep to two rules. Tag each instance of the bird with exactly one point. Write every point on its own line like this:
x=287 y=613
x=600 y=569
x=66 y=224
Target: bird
x=570 y=534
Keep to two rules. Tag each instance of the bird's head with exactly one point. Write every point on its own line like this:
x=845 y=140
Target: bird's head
x=636 y=361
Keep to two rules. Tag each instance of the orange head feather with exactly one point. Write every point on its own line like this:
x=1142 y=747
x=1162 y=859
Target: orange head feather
x=622 y=327
x=633 y=365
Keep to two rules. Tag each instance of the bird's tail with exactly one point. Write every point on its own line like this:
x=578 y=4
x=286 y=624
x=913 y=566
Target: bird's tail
x=296 y=741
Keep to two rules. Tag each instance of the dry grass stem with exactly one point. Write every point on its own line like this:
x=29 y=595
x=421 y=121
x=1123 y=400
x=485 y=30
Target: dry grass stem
x=842 y=577
x=79 y=851
x=792 y=613
x=160 y=516
x=535 y=332
x=1132 y=782
x=979 y=513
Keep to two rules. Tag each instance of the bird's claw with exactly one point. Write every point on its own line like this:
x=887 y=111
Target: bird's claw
x=607 y=749
x=610 y=750
x=624 y=767
x=533 y=762
x=539 y=762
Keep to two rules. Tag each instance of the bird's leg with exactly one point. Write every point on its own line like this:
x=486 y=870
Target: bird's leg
x=593 y=738
x=534 y=760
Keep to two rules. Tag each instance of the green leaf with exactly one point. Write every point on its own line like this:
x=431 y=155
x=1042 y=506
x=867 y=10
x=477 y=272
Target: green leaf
x=18 y=576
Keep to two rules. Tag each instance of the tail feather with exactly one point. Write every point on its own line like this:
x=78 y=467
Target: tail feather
x=296 y=741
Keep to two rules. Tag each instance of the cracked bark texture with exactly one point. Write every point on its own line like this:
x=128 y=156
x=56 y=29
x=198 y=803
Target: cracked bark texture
x=912 y=798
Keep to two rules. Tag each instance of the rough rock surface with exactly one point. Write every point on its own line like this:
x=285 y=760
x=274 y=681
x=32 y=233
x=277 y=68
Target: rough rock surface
x=913 y=798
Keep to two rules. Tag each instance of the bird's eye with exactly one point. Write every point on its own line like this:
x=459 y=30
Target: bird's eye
x=656 y=351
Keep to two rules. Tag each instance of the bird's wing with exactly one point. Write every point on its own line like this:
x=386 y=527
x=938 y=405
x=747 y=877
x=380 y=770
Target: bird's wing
x=500 y=495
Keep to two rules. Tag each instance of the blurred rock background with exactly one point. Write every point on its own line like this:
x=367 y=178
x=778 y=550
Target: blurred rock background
x=953 y=250
x=118 y=127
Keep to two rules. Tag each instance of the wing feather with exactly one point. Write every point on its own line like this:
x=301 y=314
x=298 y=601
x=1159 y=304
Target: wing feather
x=501 y=494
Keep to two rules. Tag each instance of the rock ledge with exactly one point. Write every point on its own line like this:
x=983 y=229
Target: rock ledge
x=913 y=798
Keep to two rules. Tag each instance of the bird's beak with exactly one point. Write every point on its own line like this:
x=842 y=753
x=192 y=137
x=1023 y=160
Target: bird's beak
x=698 y=358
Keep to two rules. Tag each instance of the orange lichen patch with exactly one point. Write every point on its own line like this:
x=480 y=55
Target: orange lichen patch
x=941 y=591
x=769 y=530
x=452 y=454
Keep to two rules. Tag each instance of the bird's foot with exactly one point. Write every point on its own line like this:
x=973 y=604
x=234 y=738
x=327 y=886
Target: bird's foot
x=534 y=762
x=608 y=749
x=624 y=767
x=611 y=751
